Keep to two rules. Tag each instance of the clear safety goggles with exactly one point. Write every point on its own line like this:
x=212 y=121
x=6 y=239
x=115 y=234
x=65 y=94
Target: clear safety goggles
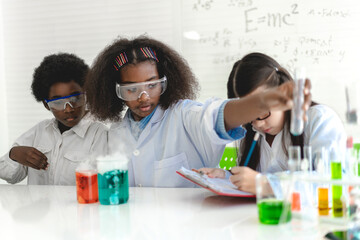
x=133 y=91
x=74 y=101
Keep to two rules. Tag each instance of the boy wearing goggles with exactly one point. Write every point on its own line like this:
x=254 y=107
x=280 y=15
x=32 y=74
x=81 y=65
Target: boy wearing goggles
x=50 y=151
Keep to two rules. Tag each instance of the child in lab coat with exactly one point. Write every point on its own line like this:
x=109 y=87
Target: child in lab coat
x=163 y=129
x=50 y=151
x=255 y=73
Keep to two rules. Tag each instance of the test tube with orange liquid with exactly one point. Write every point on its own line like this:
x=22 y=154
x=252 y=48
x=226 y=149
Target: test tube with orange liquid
x=87 y=186
x=323 y=201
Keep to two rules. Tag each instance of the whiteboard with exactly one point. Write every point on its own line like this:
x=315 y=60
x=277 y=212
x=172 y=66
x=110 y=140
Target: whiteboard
x=322 y=36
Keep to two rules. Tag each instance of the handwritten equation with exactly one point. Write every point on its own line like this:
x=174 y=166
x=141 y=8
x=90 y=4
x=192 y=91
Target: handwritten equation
x=310 y=48
x=200 y=5
x=277 y=19
x=258 y=27
x=329 y=13
x=254 y=20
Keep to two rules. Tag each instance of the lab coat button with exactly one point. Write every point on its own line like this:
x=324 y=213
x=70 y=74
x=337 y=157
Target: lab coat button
x=136 y=152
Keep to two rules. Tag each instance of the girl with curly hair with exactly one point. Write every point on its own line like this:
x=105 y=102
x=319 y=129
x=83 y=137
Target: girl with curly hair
x=163 y=129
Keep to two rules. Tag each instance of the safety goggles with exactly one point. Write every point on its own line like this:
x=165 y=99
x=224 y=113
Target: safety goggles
x=133 y=91
x=74 y=101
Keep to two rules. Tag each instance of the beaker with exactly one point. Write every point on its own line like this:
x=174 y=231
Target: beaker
x=86 y=183
x=113 y=179
x=273 y=198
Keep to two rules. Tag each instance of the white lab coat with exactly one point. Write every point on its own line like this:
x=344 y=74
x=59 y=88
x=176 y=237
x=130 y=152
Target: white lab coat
x=182 y=135
x=63 y=151
x=323 y=129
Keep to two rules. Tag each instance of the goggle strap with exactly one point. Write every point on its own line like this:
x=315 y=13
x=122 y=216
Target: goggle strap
x=76 y=94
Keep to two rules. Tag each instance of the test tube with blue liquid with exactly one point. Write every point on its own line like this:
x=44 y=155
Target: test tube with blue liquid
x=113 y=179
x=297 y=122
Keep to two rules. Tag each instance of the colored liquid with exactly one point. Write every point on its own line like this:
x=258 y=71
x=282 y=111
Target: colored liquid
x=336 y=170
x=336 y=201
x=295 y=201
x=270 y=211
x=87 y=187
x=113 y=187
x=337 y=205
x=323 y=201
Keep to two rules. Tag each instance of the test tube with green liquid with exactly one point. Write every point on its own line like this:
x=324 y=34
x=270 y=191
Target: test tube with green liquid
x=336 y=170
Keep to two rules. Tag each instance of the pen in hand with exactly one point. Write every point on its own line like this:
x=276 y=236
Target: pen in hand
x=253 y=144
x=197 y=171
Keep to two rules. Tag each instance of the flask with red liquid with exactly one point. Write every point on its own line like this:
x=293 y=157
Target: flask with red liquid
x=86 y=184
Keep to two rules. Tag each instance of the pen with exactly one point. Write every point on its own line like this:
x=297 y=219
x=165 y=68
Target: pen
x=197 y=171
x=256 y=137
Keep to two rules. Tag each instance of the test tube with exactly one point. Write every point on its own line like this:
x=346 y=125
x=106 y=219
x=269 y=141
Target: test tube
x=294 y=158
x=308 y=158
x=297 y=122
x=323 y=189
x=294 y=165
x=323 y=201
x=336 y=173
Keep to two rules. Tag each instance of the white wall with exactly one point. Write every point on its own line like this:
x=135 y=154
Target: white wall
x=4 y=137
x=3 y=107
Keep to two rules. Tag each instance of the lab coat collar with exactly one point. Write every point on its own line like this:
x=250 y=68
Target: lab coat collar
x=158 y=116
x=80 y=129
x=125 y=123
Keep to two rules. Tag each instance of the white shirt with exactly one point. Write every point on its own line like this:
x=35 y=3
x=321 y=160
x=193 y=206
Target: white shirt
x=323 y=129
x=63 y=151
x=182 y=135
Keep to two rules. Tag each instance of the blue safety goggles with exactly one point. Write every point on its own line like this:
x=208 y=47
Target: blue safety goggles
x=74 y=101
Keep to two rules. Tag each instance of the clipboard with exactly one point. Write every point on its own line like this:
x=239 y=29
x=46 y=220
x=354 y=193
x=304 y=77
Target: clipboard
x=219 y=186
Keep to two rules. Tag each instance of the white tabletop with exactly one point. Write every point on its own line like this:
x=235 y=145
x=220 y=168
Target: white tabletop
x=52 y=212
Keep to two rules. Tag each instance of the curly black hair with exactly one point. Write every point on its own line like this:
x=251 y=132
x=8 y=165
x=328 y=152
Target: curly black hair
x=100 y=84
x=61 y=67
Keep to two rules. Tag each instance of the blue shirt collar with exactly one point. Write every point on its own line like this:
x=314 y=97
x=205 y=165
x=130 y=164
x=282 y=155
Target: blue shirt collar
x=138 y=126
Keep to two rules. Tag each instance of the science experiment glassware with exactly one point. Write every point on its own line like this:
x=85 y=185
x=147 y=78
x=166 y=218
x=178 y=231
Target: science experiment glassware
x=297 y=122
x=86 y=183
x=273 y=198
x=113 y=180
x=337 y=190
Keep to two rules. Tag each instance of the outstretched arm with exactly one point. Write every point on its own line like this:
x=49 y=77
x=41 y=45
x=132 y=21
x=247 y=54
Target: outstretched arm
x=241 y=111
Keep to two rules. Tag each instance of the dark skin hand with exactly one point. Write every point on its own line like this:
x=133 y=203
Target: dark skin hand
x=244 y=110
x=29 y=156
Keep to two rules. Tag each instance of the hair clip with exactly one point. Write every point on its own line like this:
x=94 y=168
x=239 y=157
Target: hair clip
x=276 y=69
x=149 y=53
x=122 y=58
